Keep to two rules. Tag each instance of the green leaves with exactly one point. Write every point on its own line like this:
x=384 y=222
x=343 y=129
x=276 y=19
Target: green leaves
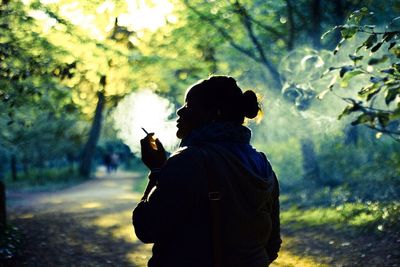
x=376 y=47
x=349 y=109
x=375 y=61
x=348 y=31
x=391 y=94
x=383 y=118
x=358 y=15
x=378 y=79
x=392 y=44
x=381 y=85
x=339 y=45
x=371 y=40
x=388 y=71
x=372 y=118
x=328 y=32
x=369 y=91
x=356 y=58
x=344 y=70
x=363 y=118
x=348 y=76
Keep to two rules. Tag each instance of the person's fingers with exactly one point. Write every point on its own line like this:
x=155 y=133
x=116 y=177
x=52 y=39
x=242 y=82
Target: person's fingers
x=146 y=147
x=142 y=141
x=145 y=143
x=159 y=145
x=148 y=139
x=149 y=135
x=148 y=143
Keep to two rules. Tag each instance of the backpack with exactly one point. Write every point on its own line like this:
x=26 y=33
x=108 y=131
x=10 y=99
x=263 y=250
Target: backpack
x=240 y=207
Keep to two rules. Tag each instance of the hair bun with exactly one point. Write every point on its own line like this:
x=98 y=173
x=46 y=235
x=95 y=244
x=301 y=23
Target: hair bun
x=250 y=104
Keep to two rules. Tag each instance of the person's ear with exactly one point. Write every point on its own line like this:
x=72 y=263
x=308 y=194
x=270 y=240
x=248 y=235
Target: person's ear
x=215 y=115
x=209 y=115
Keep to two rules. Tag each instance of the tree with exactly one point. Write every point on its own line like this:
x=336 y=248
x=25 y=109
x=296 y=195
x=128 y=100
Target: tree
x=49 y=81
x=31 y=86
x=377 y=104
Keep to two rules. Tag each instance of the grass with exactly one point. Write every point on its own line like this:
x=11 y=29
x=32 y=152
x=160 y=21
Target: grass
x=46 y=179
x=140 y=184
x=358 y=216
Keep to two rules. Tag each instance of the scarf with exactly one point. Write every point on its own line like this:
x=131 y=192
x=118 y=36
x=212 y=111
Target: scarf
x=218 y=132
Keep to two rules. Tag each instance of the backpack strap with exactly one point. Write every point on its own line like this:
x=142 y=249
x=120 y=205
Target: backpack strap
x=270 y=199
x=214 y=200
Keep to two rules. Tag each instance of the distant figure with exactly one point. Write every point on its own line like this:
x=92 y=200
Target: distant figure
x=114 y=162
x=107 y=162
x=215 y=201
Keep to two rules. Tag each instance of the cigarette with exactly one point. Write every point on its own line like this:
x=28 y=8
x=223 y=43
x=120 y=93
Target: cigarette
x=144 y=130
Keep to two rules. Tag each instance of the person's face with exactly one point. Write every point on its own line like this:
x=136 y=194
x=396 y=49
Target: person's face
x=191 y=115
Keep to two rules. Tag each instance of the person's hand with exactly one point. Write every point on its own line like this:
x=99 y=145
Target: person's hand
x=153 y=152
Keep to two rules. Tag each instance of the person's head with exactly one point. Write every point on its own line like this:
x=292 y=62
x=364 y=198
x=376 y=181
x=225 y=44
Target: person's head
x=216 y=99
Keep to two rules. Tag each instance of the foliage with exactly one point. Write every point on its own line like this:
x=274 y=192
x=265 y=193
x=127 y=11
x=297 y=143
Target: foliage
x=357 y=169
x=50 y=70
x=140 y=185
x=349 y=172
x=33 y=99
x=364 y=217
x=284 y=157
x=356 y=193
x=56 y=56
x=51 y=67
x=44 y=179
x=378 y=101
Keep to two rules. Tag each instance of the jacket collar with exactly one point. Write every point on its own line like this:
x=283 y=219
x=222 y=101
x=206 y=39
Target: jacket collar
x=218 y=132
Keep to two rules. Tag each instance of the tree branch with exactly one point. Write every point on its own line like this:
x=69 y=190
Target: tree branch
x=394 y=135
x=223 y=33
x=291 y=37
x=315 y=30
x=265 y=27
x=300 y=16
x=256 y=43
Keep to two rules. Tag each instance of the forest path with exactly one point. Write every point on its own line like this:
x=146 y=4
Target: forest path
x=85 y=225
x=90 y=225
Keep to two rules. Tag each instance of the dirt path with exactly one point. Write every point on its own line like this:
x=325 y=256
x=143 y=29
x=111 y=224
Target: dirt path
x=90 y=225
x=86 y=225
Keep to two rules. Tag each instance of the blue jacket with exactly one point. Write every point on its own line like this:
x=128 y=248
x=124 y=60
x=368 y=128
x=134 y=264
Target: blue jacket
x=176 y=215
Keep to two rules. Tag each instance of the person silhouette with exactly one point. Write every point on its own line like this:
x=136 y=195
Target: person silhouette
x=215 y=201
x=107 y=162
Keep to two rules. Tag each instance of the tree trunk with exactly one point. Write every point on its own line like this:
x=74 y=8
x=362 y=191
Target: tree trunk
x=339 y=19
x=256 y=53
x=315 y=30
x=291 y=28
x=25 y=166
x=40 y=159
x=3 y=210
x=70 y=162
x=14 y=168
x=258 y=46
x=310 y=163
x=90 y=147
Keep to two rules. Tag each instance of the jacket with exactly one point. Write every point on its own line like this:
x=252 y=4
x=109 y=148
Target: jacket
x=176 y=215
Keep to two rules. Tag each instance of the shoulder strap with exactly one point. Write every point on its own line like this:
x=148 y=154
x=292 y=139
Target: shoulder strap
x=214 y=199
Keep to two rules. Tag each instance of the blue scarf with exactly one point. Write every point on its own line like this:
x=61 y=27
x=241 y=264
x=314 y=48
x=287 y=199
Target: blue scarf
x=233 y=137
